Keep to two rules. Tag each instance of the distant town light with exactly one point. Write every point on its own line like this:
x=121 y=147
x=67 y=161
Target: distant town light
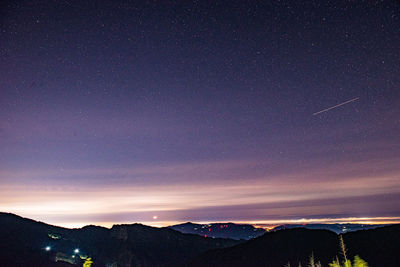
x=76 y=250
x=48 y=248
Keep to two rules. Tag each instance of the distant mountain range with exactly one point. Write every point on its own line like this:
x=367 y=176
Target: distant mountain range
x=25 y=242
x=220 y=230
x=338 y=228
x=247 y=231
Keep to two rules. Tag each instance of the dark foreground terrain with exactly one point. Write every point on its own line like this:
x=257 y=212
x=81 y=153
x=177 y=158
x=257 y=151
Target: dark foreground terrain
x=24 y=242
x=378 y=247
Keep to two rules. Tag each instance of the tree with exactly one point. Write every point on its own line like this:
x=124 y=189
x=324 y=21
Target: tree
x=88 y=262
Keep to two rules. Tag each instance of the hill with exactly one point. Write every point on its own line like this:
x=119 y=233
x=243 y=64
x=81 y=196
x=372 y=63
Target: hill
x=377 y=246
x=275 y=249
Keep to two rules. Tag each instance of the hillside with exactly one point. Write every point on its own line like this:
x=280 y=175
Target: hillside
x=377 y=246
x=275 y=249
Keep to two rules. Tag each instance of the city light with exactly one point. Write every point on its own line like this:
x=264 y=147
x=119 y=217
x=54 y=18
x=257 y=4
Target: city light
x=76 y=251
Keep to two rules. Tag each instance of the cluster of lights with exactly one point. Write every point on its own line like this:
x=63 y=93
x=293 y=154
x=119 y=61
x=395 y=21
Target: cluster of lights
x=76 y=251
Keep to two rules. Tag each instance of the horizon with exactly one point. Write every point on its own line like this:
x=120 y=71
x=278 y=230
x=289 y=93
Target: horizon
x=267 y=225
x=203 y=111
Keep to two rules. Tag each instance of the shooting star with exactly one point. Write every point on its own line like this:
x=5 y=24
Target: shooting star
x=338 y=105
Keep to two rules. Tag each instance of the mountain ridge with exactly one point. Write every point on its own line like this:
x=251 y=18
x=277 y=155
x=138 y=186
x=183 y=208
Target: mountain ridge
x=220 y=230
x=277 y=248
x=25 y=241
x=29 y=242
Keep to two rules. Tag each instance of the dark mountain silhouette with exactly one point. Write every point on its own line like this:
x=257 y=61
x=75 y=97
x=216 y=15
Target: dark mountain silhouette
x=220 y=230
x=23 y=242
x=379 y=247
x=275 y=249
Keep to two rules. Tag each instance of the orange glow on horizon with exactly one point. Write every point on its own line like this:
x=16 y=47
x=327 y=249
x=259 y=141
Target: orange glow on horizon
x=83 y=200
x=266 y=224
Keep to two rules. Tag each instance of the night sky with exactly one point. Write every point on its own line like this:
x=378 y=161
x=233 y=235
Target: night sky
x=170 y=111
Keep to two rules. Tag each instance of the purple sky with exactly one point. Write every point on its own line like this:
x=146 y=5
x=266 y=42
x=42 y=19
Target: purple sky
x=118 y=111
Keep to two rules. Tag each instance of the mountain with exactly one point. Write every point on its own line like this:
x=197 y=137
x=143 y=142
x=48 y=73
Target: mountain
x=275 y=249
x=247 y=231
x=26 y=242
x=338 y=228
x=379 y=247
x=220 y=230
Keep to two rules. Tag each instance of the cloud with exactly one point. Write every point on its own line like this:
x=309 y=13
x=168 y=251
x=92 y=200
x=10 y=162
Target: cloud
x=223 y=190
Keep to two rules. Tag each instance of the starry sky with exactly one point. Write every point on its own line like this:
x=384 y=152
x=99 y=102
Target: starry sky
x=170 y=111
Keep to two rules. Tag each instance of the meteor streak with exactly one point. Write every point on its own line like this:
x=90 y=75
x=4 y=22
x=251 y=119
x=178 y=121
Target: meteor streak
x=338 y=105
